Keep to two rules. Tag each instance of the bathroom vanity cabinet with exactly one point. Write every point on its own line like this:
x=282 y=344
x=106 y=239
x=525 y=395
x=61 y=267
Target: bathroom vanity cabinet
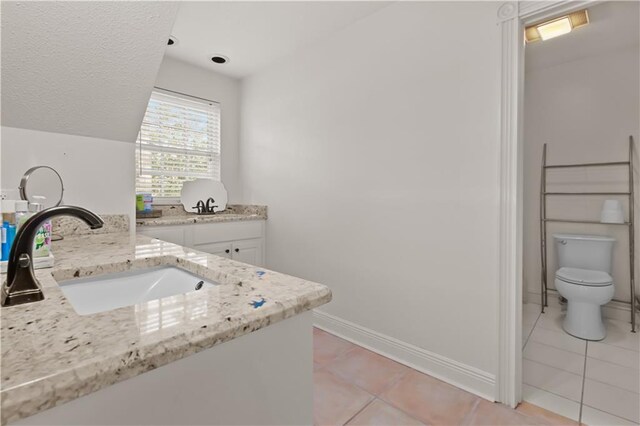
x=204 y=357
x=242 y=241
x=264 y=377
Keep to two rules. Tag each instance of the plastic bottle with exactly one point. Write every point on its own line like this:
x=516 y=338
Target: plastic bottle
x=22 y=213
x=9 y=211
x=8 y=226
x=148 y=202
x=10 y=232
x=34 y=208
x=4 y=251
x=4 y=254
x=42 y=241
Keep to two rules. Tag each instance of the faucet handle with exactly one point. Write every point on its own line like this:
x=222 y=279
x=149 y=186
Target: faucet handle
x=200 y=206
x=24 y=260
x=210 y=205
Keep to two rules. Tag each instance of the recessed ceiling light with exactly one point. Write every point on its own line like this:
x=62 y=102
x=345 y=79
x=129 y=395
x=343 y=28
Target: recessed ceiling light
x=219 y=59
x=172 y=41
x=557 y=26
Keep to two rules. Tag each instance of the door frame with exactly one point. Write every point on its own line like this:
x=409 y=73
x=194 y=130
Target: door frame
x=513 y=17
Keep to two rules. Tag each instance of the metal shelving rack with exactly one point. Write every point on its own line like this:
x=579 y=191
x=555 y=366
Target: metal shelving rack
x=544 y=219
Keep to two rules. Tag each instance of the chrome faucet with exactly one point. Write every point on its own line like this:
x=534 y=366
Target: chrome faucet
x=21 y=285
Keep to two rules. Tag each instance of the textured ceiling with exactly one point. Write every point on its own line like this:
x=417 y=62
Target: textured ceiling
x=254 y=34
x=82 y=68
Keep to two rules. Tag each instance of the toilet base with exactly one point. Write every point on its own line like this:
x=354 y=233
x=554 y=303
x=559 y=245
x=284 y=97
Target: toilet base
x=584 y=321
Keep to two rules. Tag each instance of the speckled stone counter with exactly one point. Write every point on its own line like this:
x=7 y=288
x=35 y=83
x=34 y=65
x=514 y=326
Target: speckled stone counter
x=176 y=215
x=51 y=355
x=66 y=226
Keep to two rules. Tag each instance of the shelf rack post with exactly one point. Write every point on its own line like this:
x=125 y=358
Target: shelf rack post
x=543 y=229
x=632 y=239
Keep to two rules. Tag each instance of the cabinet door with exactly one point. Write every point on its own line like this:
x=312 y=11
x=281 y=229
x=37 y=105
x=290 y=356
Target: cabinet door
x=172 y=234
x=219 y=249
x=248 y=251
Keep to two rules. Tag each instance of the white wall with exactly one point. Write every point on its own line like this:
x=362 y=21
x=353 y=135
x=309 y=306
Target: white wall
x=98 y=174
x=191 y=80
x=377 y=152
x=585 y=110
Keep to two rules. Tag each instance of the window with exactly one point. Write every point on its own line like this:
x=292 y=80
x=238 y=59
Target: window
x=179 y=140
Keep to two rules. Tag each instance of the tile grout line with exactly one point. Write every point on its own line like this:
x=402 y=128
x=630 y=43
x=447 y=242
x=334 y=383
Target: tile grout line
x=618 y=346
x=583 y=372
x=327 y=368
x=617 y=364
x=584 y=376
x=392 y=405
x=605 y=361
x=555 y=394
x=535 y=323
x=560 y=349
x=534 y=417
x=584 y=368
x=467 y=418
x=610 y=413
x=585 y=354
x=360 y=411
x=378 y=396
x=555 y=368
x=607 y=383
x=391 y=384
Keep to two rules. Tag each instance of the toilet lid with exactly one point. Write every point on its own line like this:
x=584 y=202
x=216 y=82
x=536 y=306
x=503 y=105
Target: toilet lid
x=584 y=276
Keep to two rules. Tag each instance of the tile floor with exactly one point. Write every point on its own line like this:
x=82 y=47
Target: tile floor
x=354 y=386
x=596 y=383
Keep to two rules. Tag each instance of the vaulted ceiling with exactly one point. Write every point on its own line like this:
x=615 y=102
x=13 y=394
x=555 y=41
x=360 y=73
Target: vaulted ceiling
x=82 y=68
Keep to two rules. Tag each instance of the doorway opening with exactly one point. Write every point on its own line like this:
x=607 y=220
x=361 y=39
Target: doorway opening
x=580 y=118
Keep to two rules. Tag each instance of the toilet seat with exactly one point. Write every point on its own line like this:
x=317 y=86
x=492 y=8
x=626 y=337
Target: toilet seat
x=585 y=277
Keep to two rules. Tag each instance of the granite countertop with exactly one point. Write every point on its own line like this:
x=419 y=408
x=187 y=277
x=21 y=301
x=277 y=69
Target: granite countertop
x=51 y=355
x=176 y=215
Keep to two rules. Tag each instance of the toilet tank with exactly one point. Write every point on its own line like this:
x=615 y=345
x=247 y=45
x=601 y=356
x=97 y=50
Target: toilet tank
x=584 y=251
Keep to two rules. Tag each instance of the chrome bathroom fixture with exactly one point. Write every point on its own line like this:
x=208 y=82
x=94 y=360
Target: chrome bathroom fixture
x=21 y=285
x=208 y=208
x=544 y=220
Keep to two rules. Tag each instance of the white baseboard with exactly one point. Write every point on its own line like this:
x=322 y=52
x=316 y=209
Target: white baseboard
x=448 y=370
x=619 y=311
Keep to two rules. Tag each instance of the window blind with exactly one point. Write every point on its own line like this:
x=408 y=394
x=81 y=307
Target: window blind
x=179 y=140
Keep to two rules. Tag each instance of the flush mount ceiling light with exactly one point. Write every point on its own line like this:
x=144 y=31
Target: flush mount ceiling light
x=557 y=26
x=219 y=59
x=172 y=41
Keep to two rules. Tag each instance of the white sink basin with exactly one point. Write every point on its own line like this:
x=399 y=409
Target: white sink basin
x=111 y=291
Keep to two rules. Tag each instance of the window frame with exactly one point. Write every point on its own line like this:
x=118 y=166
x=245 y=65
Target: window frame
x=160 y=201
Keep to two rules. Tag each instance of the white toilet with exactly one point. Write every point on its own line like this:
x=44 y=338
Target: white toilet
x=584 y=280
